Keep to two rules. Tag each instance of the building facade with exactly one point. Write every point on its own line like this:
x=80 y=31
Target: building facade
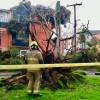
x=5 y=39
x=97 y=38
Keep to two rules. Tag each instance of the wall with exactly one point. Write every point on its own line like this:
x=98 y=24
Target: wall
x=41 y=35
x=5 y=39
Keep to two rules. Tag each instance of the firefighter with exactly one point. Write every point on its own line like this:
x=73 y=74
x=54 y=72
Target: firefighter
x=34 y=56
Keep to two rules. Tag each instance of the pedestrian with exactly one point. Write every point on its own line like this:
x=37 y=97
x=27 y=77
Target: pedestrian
x=34 y=56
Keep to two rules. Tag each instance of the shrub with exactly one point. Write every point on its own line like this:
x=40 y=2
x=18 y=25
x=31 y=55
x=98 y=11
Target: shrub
x=14 y=52
x=62 y=78
x=4 y=55
x=98 y=56
x=10 y=57
x=16 y=61
x=88 y=55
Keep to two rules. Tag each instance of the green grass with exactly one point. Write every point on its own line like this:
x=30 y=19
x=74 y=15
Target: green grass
x=89 y=90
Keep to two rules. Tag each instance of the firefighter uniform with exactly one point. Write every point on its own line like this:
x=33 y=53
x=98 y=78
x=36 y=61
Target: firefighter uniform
x=34 y=56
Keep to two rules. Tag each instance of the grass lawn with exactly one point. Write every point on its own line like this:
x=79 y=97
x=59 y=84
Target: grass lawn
x=89 y=90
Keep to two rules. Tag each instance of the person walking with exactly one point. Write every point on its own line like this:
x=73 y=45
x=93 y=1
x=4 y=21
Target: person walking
x=34 y=56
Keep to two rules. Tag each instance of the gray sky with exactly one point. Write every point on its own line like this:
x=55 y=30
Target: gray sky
x=88 y=11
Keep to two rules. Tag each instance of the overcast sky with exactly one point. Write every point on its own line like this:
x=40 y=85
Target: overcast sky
x=88 y=11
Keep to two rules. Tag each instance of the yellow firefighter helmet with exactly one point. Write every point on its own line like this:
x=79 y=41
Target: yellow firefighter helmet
x=33 y=43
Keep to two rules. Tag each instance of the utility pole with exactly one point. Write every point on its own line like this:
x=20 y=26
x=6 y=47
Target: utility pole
x=58 y=28
x=75 y=24
x=88 y=24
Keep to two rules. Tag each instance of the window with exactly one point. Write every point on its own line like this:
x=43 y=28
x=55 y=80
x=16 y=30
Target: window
x=22 y=52
x=3 y=17
x=2 y=32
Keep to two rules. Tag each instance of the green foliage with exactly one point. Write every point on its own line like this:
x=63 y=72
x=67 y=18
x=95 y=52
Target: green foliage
x=10 y=57
x=4 y=55
x=93 y=43
x=14 y=52
x=63 y=78
x=5 y=62
x=14 y=27
x=15 y=61
x=82 y=38
x=74 y=77
x=98 y=56
x=89 y=90
x=88 y=55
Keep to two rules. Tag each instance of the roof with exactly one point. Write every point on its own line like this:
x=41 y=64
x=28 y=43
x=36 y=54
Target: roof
x=3 y=29
x=4 y=10
x=95 y=31
x=97 y=36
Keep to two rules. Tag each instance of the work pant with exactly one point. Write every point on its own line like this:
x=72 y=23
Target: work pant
x=34 y=81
